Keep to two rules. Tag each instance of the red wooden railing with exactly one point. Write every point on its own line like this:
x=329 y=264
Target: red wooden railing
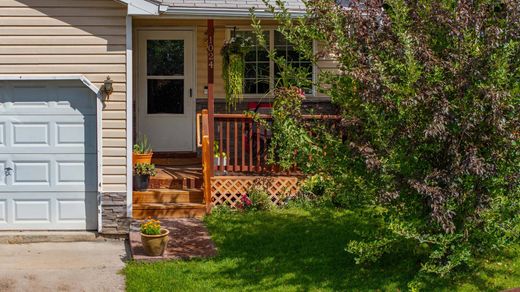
x=243 y=142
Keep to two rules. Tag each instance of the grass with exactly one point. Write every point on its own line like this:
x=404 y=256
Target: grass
x=301 y=250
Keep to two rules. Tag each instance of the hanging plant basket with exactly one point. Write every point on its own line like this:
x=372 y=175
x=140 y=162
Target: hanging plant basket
x=233 y=69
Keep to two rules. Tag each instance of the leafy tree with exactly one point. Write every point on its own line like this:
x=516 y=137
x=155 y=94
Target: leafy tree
x=429 y=93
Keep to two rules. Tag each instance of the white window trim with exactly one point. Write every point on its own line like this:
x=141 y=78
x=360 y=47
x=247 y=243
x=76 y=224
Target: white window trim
x=271 y=30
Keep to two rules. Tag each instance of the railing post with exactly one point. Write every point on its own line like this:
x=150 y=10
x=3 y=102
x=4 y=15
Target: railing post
x=211 y=93
x=206 y=172
x=206 y=160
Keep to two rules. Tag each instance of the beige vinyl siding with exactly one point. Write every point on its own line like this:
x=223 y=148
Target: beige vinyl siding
x=56 y=37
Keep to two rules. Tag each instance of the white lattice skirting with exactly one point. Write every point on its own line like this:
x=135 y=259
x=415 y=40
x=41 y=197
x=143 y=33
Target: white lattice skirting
x=227 y=190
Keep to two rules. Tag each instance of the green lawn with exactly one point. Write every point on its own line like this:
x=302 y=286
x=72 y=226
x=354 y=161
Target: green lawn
x=300 y=250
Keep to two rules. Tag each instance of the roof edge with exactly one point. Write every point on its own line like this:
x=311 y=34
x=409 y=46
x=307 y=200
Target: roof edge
x=225 y=12
x=141 y=7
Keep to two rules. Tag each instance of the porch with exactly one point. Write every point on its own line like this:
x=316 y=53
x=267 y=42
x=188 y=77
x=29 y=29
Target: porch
x=205 y=156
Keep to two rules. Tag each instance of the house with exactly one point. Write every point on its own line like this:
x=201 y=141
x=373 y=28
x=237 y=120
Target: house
x=80 y=79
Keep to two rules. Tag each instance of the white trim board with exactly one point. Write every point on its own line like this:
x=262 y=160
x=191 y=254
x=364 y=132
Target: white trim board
x=51 y=78
x=129 y=114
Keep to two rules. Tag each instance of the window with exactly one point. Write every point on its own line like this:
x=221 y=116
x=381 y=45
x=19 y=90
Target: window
x=165 y=76
x=261 y=74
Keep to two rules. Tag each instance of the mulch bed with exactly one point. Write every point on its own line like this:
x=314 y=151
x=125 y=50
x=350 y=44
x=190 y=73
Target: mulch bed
x=189 y=239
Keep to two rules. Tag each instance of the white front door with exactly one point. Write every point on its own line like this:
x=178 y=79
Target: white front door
x=166 y=105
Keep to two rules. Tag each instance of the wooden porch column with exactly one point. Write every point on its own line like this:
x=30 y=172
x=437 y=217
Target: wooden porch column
x=211 y=94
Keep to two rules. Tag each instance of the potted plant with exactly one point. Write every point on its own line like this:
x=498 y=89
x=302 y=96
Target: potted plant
x=154 y=237
x=142 y=173
x=142 y=152
x=233 y=68
x=220 y=158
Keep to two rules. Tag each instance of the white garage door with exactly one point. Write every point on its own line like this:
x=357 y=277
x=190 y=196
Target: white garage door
x=48 y=160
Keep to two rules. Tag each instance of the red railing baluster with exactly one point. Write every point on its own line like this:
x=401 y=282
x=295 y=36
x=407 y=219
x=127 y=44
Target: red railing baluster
x=243 y=142
x=220 y=146
x=258 y=166
x=265 y=150
x=228 y=154
x=250 y=142
x=235 y=146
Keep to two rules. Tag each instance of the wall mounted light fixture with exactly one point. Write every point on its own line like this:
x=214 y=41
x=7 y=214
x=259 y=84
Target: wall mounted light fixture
x=108 y=88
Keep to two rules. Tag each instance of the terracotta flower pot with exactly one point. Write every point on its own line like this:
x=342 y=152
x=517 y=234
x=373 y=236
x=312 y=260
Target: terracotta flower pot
x=142 y=158
x=154 y=245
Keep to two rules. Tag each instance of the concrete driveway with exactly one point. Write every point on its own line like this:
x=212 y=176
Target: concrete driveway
x=71 y=266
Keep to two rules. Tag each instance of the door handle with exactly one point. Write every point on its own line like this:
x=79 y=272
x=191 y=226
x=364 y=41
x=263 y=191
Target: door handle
x=7 y=171
x=191 y=92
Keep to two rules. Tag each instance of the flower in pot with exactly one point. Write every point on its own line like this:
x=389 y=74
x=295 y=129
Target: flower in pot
x=142 y=152
x=142 y=173
x=154 y=237
x=233 y=68
x=220 y=158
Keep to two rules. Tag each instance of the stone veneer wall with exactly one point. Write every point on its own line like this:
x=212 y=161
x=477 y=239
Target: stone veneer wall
x=114 y=217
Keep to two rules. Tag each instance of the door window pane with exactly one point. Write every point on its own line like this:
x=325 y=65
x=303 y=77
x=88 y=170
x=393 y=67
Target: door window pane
x=165 y=57
x=165 y=96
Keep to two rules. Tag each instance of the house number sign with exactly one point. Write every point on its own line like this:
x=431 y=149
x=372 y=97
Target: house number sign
x=211 y=51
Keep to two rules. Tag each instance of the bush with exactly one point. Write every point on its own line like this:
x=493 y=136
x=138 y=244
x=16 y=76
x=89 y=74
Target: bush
x=257 y=199
x=429 y=93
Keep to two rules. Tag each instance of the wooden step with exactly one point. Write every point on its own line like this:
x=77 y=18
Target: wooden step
x=181 y=177
x=163 y=211
x=187 y=154
x=165 y=161
x=165 y=196
x=176 y=158
x=184 y=183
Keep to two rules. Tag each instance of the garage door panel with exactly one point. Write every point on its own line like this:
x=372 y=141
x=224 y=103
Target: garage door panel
x=31 y=173
x=61 y=210
x=32 y=97
x=35 y=211
x=3 y=212
x=30 y=134
x=71 y=210
x=47 y=98
x=59 y=134
x=2 y=134
x=3 y=178
x=72 y=134
x=58 y=172
x=72 y=99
